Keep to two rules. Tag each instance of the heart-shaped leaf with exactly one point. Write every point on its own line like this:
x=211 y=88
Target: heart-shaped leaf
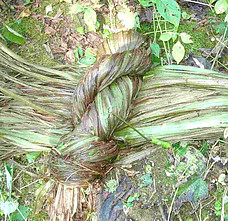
x=169 y=10
x=178 y=52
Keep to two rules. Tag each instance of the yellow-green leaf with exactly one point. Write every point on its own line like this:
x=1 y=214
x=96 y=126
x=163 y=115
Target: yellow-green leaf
x=185 y=37
x=221 y=6
x=90 y=18
x=178 y=52
x=76 y=8
x=166 y=36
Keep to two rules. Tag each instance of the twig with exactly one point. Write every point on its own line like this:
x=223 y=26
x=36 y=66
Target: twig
x=195 y=211
x=148 y=140
x=30 y=184
x=200 y=3
x=179 y=217
x=20 y=167
x=171 y=206
x=210 y=157
x=208 y=203
x=208 y=170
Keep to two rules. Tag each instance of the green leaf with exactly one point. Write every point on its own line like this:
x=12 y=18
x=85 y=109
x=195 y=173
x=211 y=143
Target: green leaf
x=169 y=10
x=111 y=186
x=155 y=49
x=221 y=6
x=204 y=148
x=76 y=8
x=130 y=199
x=9 y=174
x=193 y=191
x=226 y=18
x=218 y=205
x=12 y=35
x=129 y=204
x=185 y=15
x=181 y=152
x=78 y=52
x=106 y=33
x=88 y=59
x=147 y=3
x=81 y=30
x=155 y=59
x=137 y=21
x=88 y=53
x=148 y=168
x=212 y=1
x=8 y=207
x=146 y=180
x=2 y=37
x=97 y=25
x=166 y=36
x=133 y=197
x=221 y=28
x=90 y=18
x=174 y=37
x=178 y=52
x=185 y=38
x=31 y=157
x=22 y=215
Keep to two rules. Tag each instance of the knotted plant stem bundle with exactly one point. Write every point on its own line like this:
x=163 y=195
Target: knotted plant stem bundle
x=77 y=118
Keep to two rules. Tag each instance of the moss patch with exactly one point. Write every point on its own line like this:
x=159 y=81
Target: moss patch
x=199 y=36
x=33 y=50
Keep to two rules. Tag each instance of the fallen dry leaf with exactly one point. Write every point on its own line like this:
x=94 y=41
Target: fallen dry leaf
x=70 y=57
x=49 y=30
x=25 y=13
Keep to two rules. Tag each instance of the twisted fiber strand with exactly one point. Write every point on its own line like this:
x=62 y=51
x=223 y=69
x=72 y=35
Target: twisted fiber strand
x=110 y=86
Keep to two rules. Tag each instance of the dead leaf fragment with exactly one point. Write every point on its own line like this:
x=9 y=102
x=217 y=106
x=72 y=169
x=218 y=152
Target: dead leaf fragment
x=49 y=30
x=58 y=14
x=70 y=57
x=25 y=13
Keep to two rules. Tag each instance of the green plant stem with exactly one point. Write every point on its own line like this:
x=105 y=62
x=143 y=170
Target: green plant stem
x=217 y=54
x=168 y=42
x=155 y=31
x=171 y=206
x=148 y=140
x=167 y=56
